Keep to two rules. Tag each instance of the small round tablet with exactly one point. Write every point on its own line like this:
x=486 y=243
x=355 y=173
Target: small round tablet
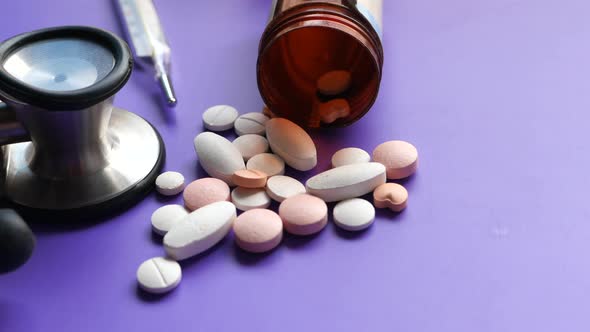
x=281 y=187
x=249 y=178
x=205 y=191
x=348 y=156
x=250 y=198
x=269 y=163
x=251 y=123
x=333 y=110
x=250 y=145
x=390 y=195
x=334 y=82
x=258 y=230
x=159 y=275
x=400 y=158
x=354 y=214
x=165 y=217
x=170 y=183
x=220 y=117
x=303 y=214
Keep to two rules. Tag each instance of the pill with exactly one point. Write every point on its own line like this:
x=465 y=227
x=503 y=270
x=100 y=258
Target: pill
x=291 y=143
x=159 y=275
x=346 y=181
x=205 y=191
x=170 y=183
x=269 y=163
x=334 y=82
x=250 y=145
x=390 y=195
x=281 y=187
x=303 y=214
x=333 y=110
x=354 y=214
x=250 y=123
x=349 y=156
x=167 y=216
x=250 y=198
x=200 y=230
x=17 y=241
x=250 y=178
x=218 y=156
x=258 y=230
x=220 y=117
x=399 y=157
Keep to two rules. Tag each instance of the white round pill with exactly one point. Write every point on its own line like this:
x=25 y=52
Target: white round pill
x=250 y=198
x=165 y=217
x=334 y=82
x=349 y=156
x=251 y=123
x=159 y=275
x=170 y=183
x=220 y=117
x=281 y=187
x=269 y=163
x=250 y=145
x=354 y=214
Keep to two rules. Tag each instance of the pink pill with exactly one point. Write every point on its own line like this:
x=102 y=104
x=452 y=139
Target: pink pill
x=205 y=191
x=400 y=158
x=258 y=230
x=303 y=214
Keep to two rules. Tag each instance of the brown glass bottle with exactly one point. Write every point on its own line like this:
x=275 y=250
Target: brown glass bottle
x=303 y=40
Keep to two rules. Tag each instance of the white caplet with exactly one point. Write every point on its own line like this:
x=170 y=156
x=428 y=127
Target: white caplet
x=200 y=230
x=218 y=156
x=291 y=143
x=346 y=181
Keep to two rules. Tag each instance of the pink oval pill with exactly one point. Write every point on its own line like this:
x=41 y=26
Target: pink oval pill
x=390 y=195
x=249 y=178
x=303 y=214
x=258 y=230
x=205 y=191
x=400 y=158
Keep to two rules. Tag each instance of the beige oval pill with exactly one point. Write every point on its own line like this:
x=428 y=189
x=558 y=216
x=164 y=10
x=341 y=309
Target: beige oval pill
x=333 y=110
x=334 y=82
x=390 y=195
x=250 y=198
x=281 y=187
x=159 y=275
x=218 y=156
x=258 y=230
x=269 y=163
x=303 y=214
x=250 y=145
x=400 y=158
x=349 y=156
x=250 y=178
x=292 y=143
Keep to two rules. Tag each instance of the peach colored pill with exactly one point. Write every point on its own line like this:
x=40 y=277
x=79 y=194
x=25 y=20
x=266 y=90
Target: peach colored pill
x=334 y=109
x=400 y=158
x=390 y=195
x=205 y=191
x=303 y=214
x=258 y=230
x=249 y=178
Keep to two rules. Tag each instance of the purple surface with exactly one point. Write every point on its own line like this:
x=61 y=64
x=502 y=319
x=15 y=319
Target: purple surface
x=493 y=93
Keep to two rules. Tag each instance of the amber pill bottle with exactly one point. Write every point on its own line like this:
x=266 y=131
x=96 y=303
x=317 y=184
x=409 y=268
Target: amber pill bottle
x=303 y=40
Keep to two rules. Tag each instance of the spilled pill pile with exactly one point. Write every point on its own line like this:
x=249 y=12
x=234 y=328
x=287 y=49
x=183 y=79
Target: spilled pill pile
x=245 y=176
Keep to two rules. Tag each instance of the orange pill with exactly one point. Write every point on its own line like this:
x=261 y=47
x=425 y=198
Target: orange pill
x=249 y=178
x=400 y=158
x=390 y=195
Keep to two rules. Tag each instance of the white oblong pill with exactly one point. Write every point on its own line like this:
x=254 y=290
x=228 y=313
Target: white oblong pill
x=218 y=156
x=200 y=230
x=346 y=181
x=333 y=110
x=159 y=275
x=250 y=123
x=349 y=156
x=220 y=117
x=165 y=217
x=250 y=145
x=354 y=214
x=334 y=82
x=250 y=198
x=170 y=183
x=281 y=187
x=269 y=163
x=291 y=143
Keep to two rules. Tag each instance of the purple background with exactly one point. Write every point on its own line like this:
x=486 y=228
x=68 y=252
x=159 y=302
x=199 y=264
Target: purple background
x=494 y=94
